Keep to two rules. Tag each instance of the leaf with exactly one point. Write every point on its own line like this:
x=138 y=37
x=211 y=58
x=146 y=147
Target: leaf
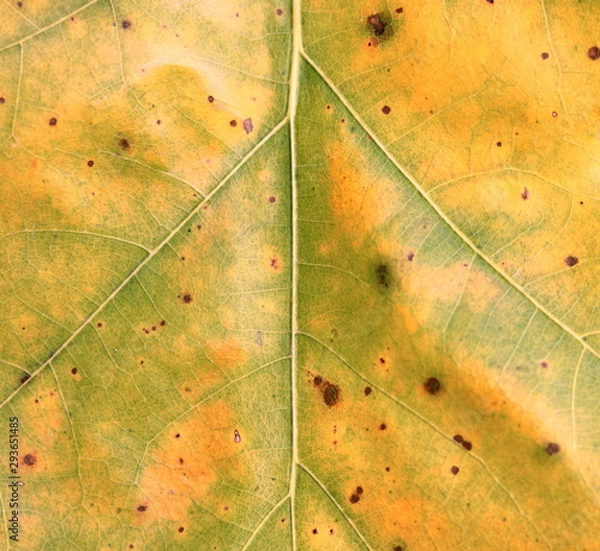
x=309 y=276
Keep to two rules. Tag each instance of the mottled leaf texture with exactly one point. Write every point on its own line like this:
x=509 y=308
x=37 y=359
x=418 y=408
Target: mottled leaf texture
x=309 y=275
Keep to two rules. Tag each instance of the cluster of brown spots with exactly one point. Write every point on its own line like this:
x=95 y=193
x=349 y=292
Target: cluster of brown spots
x=90 y=163
x=74 y=371
x=368 y=390
x=386 y=109
x=464 y=443
x=594 y=53
x=142 y=508
x=432 y=385
x=52 y=121
x=525 y=194
x=275 y=263
x=125 y=24
x=545 y=55
x=124 y=144
x=454 y=469
x=552 y=448
x=187 y=298
x=382 y=275
x=571 y=261
x=233 y=123
x=29 y=460
x=355 y=497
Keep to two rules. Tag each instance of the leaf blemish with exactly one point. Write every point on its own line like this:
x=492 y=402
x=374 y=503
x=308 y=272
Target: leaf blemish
x=124 y=144
x=386 y=109
x=552 y=448
x=454 y=470
x=594 y=53
x=187 y=298
x=571 y=261
x=545 y=55
x=142 y=508
x=317 y=380
x=52 y=121
x=90 y=163
x=2 y=101
x=368 y=390
x=74 y=371
x=233 y=123
x=125 y=24
x=525 y=194
x=331 y=394
x=458 y=438
x=376 y=23
x=180 y=529
x=248 y=126
x=383 y=426
x=354 y=498
x=29 y=460
x=432 y=385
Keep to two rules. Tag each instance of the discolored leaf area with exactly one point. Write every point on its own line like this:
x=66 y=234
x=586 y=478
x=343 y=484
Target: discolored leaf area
x=310 y=275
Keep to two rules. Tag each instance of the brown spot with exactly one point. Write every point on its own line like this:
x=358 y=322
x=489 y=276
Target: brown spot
x=359 y=490
x=381 y=360
x=410 y=256
x=552 y=448
x=274 y=263
x=382 y=275
x=317 y=380
x=19 y=4
x=271 y=199
x=2 y=101
x=571 y=261
x=554 y=114
x=368 y=390
x=458 y=438
x=432 y=385
x=183 y=258
x=181 y=460
x=124 y=144
x=387 y=469
x=315 y=531
x=210 y=99
x=331 y=394
x=154 y=328
x=187 y=298
x=399 y=10
x=52 y=121
x=29 y=460
x=594 y=53
x=397 y=548
x=376 y=23
x=490 y=1
x=163 y=323
x=178 y=435
x=233 y=123
x=354 y=498
x=90 y=163
x=74 y=371
x=142 y=508
x=158 y=121
x=544 y=364
x=180 y=529
x=383 y=426
x=467 y=445
x=99 y=324
x=498 y=144
x=25 y=378
x=545 y=55
x=454 y=469
x=125 y=24
x=248 y=126
x=525 y=194
x=386 y=109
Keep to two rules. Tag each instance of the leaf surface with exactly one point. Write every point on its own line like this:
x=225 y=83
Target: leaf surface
x=309 y=276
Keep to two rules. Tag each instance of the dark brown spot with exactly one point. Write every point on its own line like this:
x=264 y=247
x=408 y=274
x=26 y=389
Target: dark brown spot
x=552 y=448
x=187 y=298
x=158 y=121
x=467 y=445
x=331 y=394
x=271 y=199
x=210 y=99
x=571 y=261
x=248 y=126
x=125 y=24
x=124 y=144
x=52 y=121
x=359 y=490
x=397 y=548
x=142 y=508
x=279 y=11
x=315 y=531
x=498 y=144
x=432 y=385
x=544 y=364
x=490 y=1
x=554 y=114
x=317 y=380
x=19 y=4
x=386 y=109
x=177 y=435
x=74 y=371
x=382 y=275
x=183 y=258
x=594 y=53
x=163 y=323
x=399 y=10
x=458 y=438
x=387 y=469
x=29 y=460
x=454 y=469
x=410 y=256
x=233 y=123
x=154 y=328
x=383 y=426
x=354 y=498
x=376 y=23
x=180 y=529
x=368 y=390
x=181 y=460
x=525 y=194
x=25 y=378
x=545 y=55
x=2 y=101
x=90 y=163
x=381 y=360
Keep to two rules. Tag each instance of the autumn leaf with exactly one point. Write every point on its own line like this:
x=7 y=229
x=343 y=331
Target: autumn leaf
x=309 y=275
